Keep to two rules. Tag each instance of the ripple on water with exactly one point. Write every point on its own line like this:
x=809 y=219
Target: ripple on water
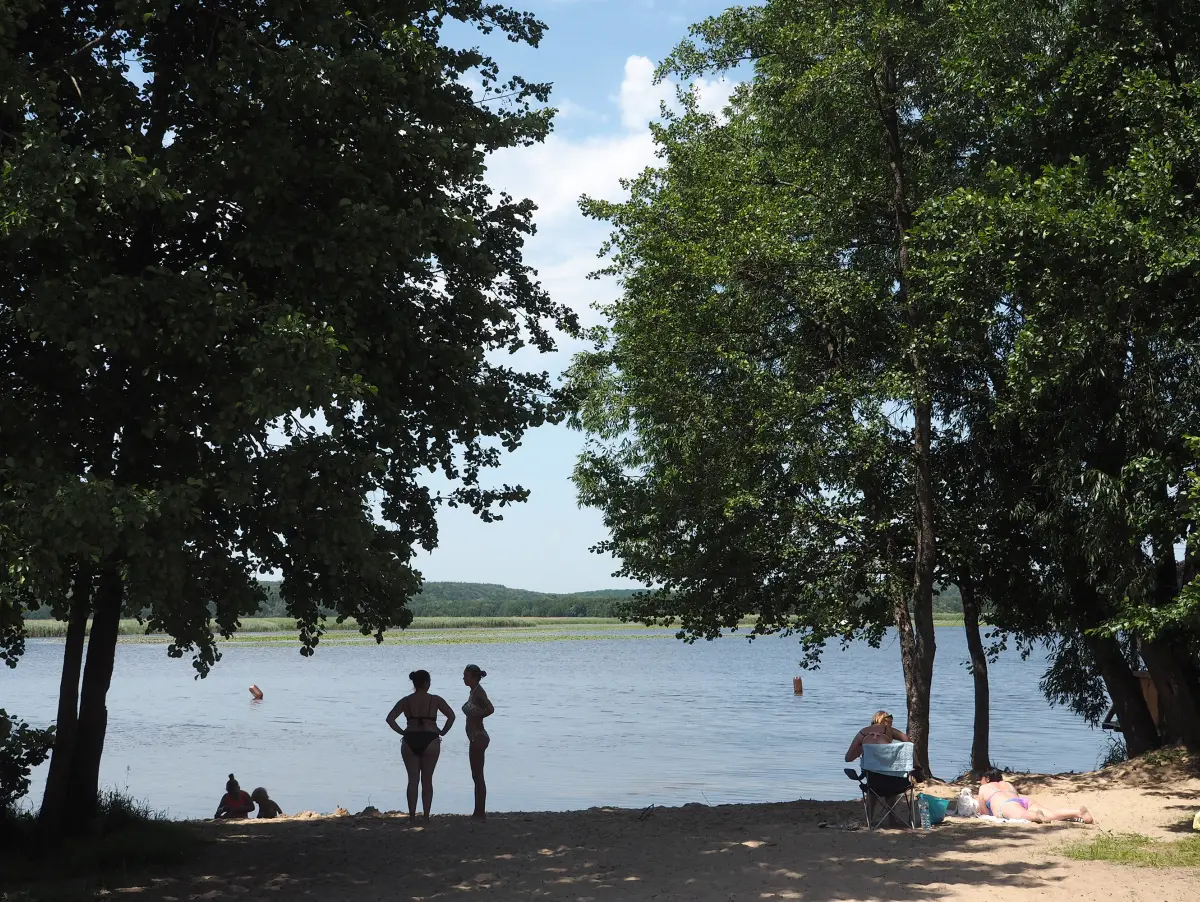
x=607 y=721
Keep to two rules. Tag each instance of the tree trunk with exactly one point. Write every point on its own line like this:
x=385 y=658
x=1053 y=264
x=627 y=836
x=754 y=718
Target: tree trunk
x=83 y=787
x=1179 y=709
x=1125 y=690
x=916 y=684
x=1171 y=667
x=918 y=660
x=980 y=756
x=54 y=798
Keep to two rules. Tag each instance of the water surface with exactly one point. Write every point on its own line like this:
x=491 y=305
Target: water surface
x=602 y=721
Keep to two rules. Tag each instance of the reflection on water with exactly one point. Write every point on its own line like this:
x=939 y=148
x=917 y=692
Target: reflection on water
x=606 y=721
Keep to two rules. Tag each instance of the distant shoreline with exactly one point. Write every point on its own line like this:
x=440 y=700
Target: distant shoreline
x=272 y=630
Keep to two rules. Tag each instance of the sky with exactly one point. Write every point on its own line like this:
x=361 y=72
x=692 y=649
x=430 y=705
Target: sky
x=600 y=56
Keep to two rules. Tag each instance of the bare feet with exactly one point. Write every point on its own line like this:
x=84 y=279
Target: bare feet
x=1085 y=815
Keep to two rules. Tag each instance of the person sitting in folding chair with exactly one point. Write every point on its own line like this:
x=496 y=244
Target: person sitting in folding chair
x=887 y=768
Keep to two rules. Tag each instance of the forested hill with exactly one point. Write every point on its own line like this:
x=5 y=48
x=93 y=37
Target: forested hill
x=493 y=600
x=489 y=600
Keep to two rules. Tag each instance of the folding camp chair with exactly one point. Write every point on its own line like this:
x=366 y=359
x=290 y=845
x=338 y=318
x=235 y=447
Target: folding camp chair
x=886 y=783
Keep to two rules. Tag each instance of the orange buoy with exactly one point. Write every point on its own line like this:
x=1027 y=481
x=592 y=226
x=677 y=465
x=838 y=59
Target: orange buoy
x=797 y=686
x=257 y=693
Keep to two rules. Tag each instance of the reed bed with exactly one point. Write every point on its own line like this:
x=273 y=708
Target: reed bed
x=56 y=629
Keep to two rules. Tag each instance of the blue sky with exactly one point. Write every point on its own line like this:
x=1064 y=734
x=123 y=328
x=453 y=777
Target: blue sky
x=599 y=55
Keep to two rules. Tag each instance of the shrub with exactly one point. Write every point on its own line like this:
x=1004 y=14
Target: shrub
x=1114 y=751
x=22 y=748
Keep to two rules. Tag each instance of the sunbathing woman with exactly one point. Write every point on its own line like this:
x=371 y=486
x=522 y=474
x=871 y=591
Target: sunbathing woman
x=477 y=707
x=999 y=798
x=422 y=739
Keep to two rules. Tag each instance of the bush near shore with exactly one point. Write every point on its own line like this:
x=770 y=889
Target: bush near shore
x=126 y=835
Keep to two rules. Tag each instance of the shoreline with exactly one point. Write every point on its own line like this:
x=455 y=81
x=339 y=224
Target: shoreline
x=277 y=630
x=809 y=850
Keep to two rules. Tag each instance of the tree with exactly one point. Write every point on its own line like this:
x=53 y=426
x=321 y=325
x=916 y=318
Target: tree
x=767 y=409
x=1085 y=233
x=245 y=287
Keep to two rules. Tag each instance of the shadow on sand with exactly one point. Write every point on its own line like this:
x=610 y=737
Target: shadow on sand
x=695 y=853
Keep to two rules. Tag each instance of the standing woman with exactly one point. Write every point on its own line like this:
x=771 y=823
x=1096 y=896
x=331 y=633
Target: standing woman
x=477 y=707
x=422 y=739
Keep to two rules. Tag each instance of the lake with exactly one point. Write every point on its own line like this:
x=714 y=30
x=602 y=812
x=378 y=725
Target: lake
x=608 y=717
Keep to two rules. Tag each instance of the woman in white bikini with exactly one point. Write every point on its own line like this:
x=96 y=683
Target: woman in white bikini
x=477 y=707
x=422 y=742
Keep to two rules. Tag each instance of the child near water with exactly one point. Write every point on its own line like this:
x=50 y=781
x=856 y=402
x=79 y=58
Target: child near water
x=266 y=807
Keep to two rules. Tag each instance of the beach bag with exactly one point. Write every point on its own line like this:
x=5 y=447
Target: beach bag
x=966 y=806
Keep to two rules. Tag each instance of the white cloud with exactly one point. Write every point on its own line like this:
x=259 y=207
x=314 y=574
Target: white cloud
x=556 y=173
x=714 y=94
x=640 y=98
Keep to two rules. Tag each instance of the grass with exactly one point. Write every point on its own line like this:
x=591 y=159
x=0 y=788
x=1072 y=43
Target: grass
x=1136 y=849
x=1114 y=751
x=126 y=835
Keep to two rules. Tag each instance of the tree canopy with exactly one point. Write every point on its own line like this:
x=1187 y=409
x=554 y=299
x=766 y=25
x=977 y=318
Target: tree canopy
x=919 y=308
x=251 y=280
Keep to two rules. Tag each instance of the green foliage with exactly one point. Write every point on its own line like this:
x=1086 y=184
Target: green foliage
x=250 y=293
x=22 y=748
x=1137 y=849
x=1083 y=238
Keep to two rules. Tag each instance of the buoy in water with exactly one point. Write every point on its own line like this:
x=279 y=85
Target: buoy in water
x=797 y=686
x=257 y=693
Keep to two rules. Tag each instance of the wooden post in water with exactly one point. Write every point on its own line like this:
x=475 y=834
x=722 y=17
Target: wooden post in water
x=797 y=686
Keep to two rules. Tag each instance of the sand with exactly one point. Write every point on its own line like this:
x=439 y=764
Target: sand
x=803 y=850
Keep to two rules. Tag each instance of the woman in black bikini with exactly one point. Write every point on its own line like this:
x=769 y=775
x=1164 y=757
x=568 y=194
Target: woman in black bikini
x=422 y=739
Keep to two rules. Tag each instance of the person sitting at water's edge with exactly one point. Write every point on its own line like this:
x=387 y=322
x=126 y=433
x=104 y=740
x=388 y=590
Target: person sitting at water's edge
x=1000 y=798
x=266 y=806
x=880 y=731
x=236 y=802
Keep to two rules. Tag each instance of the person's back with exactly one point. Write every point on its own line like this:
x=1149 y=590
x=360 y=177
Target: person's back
x=266 y=805
x=880 y=731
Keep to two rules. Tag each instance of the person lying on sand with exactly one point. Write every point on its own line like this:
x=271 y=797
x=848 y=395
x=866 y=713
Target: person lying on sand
x=1000 y=798
x=236 y=801
x=266 y=807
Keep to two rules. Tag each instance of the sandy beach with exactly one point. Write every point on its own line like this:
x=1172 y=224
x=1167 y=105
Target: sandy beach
x=805 y=850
